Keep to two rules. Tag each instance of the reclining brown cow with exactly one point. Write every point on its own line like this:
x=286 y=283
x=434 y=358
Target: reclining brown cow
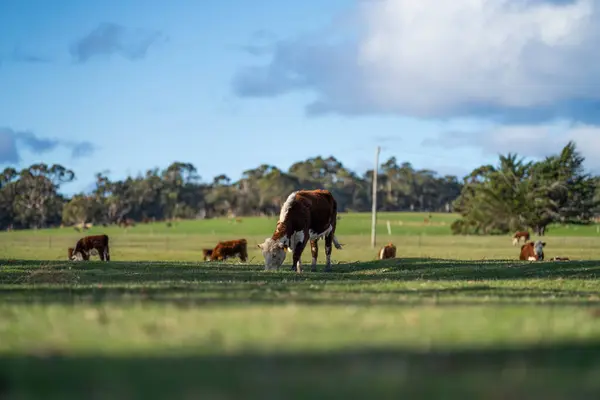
x=533 y=251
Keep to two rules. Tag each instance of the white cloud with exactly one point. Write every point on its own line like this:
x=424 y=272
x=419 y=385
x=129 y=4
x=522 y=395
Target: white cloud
x=521 y=59
x=536 y=141
x=431 y=55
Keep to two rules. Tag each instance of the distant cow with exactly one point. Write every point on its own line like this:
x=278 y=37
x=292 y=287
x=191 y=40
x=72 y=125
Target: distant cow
x=126 y=222
x=206 y=253
x=387 y=251
x=520 y=235
x=533 y=251
x=84 y=247
x=305 y=215
x=230 y=248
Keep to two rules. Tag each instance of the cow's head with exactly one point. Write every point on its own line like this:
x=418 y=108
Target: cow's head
x=274 y=253
x=538 y=249
x=74 y=256
x=207 y=253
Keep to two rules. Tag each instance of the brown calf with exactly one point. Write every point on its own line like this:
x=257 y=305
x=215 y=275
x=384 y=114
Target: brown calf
x=85 y=245
x=230 y=248
x=520 y=235
x=305 y=215
x=387 y=251
x=533 y=251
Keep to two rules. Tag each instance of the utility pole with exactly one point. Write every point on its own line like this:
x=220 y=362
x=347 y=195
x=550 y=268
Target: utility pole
x=374 y=205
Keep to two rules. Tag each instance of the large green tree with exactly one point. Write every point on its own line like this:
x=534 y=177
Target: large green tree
x=526 y=195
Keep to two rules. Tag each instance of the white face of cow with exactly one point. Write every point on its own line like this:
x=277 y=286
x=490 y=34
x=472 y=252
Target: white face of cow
x=273 y=252
x=538 y=249
x=77 y=256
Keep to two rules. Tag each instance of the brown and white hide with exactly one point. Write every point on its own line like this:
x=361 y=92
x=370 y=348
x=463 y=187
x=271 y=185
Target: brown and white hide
x=306 y=215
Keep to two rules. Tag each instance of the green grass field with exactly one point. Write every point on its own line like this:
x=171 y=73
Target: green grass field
x=452 y=317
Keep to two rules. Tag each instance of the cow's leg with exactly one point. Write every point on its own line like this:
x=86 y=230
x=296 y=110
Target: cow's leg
x=296 y=262
x=328 y=246
x=102 y=253
x=314 y=250
x=245 y=253
x=295 y=241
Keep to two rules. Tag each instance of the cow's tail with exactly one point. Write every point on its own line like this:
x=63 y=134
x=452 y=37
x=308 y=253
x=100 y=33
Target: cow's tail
x=336 y=243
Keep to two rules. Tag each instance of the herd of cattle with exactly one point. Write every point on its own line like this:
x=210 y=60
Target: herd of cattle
x=306 y=216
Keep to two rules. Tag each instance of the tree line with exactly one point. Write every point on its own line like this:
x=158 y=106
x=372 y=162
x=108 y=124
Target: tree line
x=492 y=199
x=32 y=198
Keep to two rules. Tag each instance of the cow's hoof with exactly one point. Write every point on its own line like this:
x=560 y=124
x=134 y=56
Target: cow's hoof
x=313 y=269
x=327 y=269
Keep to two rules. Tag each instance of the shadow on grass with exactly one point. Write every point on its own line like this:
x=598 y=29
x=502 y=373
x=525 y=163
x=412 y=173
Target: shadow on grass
x=560 y=371
x=227 y=294
x=407 y=269
x=197 y=284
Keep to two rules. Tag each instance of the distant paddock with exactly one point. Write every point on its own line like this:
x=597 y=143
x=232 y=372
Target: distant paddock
x=411 y=234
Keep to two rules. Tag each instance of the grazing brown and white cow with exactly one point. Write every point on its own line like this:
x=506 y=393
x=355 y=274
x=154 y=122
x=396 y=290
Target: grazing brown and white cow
x=520 y=235
x=230 y=248
x=387 y=251
x=533 y=251
x=305 y=215
x=206 y=253
x=85 y=246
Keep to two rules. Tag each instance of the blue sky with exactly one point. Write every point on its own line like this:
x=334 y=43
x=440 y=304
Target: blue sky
x=228 y=85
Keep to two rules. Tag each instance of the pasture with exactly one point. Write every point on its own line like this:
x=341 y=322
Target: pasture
x=452 y=316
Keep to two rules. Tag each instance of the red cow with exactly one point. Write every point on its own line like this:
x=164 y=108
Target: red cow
x=230 y=248
x=387 y=251
x=86 y=245
x=520 y=235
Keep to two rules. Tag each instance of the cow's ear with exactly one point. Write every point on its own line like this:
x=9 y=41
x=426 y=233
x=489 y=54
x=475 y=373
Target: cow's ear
x=544 y=244
x=259 y=246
